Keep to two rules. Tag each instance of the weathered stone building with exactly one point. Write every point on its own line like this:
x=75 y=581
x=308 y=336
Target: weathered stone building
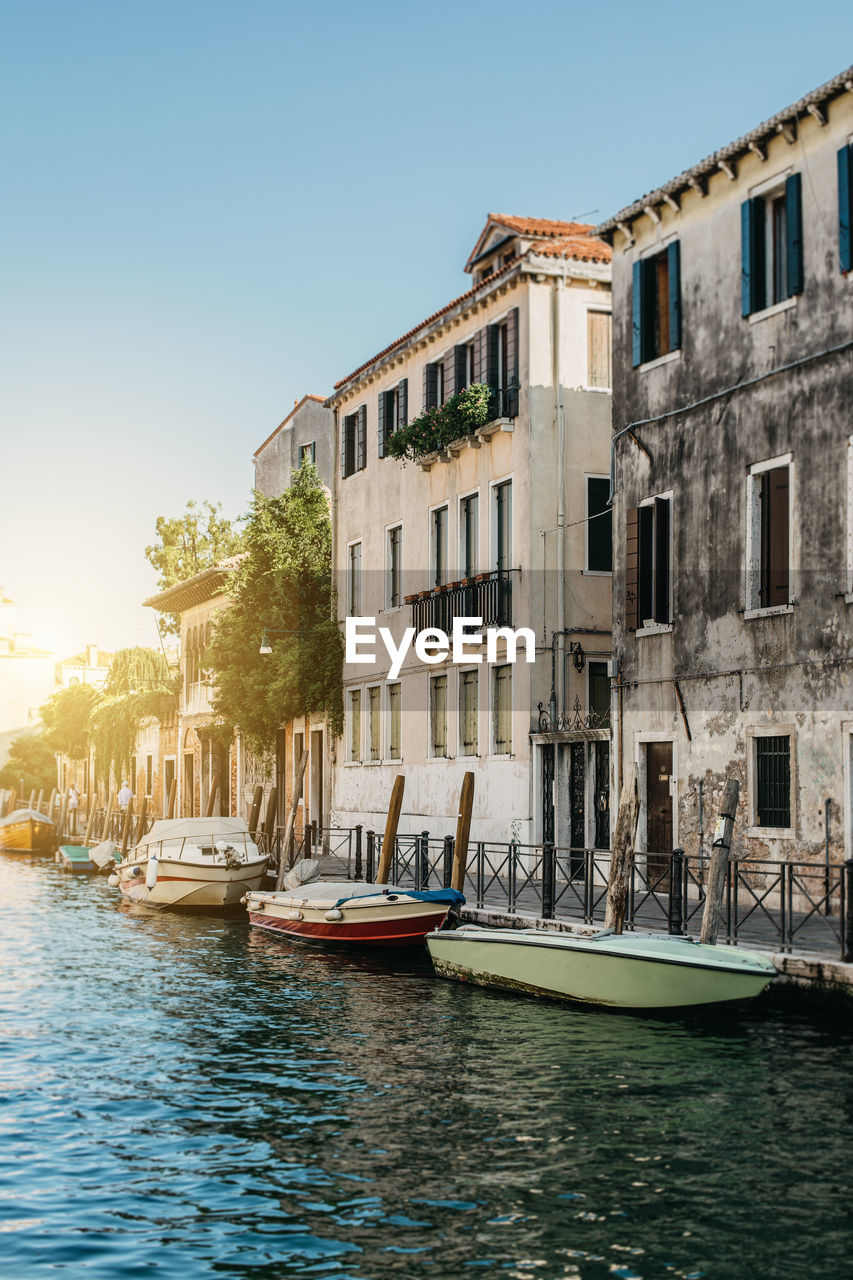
x=733 y=470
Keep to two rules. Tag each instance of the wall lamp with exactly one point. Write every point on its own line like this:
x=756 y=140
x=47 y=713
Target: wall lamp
x=578 y=655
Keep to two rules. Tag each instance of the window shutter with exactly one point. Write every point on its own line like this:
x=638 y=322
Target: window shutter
x=361 y=439
x=512 y=347
x=775 y=587
x=794 y=231
x=430 y=386
x=662 y=536
x=344 y=472
x=402 y=404
x=480 y=356
x=493 y=338
x=746 y=219
x=380 y=405
x=845 y=208
x=646 y=551
x=450 y=373
x=632 y=567
x=637 y=314
x=460 y=357
x=673 y=258
x=753 y=285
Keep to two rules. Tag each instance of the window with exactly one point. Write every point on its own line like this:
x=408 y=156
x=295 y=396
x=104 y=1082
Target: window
x=598 y=331
x=308 y=454
x=394 y=565
x=656 y=305
x=472 y=364
x=393 y=412
x=772 y=246
x=438 y=548
x=434 y=384
x=354 y=580
x=599 y=695
x=438 y=715
x=355 y=725
x=503 y=525
x=354 y=442
x=768 y=568
x=773 y=781
x=469 y=517
x=468 y=717
x=394 y=722
x=149 y=775
x=647 y=564
x=374 y=694
x=845 y=208
x=599 y=526
x=502 y=709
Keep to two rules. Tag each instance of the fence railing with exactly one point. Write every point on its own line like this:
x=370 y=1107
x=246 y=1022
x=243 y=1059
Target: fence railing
x=486 y=595
x=780 y=906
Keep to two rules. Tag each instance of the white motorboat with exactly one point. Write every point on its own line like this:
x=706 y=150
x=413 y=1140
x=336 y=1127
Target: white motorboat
x=627 y=970
x=192 y=862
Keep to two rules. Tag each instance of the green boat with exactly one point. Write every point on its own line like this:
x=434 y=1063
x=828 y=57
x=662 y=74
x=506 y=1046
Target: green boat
x=627 y=970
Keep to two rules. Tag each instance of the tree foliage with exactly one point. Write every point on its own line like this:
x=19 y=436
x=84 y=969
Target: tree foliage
x=66 y=720
x=139 y=685
x=283 y=583
x=30 y=758
x=186 y=544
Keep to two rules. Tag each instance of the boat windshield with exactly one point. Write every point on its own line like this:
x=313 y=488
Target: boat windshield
x=218 y=848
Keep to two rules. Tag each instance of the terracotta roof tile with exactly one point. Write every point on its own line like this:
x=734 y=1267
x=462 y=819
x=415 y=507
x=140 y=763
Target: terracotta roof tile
x=539 y=226
x=583 y=248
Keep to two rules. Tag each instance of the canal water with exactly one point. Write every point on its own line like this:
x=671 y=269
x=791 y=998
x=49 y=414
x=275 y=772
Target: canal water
x=181 y=1096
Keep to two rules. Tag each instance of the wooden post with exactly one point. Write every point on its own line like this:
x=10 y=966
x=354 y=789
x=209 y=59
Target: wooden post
x=51 y=806
x=269 y=820
x=719 y=869
x=173 y=796
x=108 y=816
x=284 y=854
x=463 y=831
x=143 y=814
x=63 y=814
x=255 y=812
x=211 y=800
x=40 y=800
x=90 y=818
x=10 y=803
x=125 y=831
x=32 y=803
x=389 y=840
x=622 y=856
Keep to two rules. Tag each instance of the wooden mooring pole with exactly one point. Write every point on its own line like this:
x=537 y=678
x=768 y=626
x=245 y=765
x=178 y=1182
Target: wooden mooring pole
x=255 y=811
x=108 y=816
x=719 y=870
x=143 y=814
x=622 y=856
x=173 y=796
x=125 y=831
x=463 y=831
x=90 y=819
x=286 y=851
x=40 y=801
x=211 y=800
x=269 y=820
x=392 y=822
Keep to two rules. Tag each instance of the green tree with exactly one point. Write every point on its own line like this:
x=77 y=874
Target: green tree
x=66 y=720
x=32 y=759
x=283 y=583
x=140 y=684
x=186 y=544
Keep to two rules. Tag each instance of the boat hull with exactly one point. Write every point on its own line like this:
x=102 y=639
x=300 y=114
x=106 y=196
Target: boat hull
x=593 y=974
x=28 y=835
x=392 y=931
x=183 y=885
x=352 y=913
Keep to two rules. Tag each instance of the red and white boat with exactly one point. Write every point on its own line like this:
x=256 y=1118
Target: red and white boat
x=192 y=862
x=352 y=912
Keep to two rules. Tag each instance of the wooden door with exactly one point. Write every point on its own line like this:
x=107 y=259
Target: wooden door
x=658 y=813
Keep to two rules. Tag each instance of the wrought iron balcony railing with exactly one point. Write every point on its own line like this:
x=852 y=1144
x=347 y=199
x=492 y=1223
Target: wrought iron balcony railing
x=486 y=595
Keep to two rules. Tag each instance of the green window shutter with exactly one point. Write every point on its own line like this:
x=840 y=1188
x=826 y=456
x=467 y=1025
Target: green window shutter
x=753 y=291
x=344 y=472
x=637 y=314
x=430 y=386
x=460 y=357
x=673 y=257
x=380 y=405
x=402 y=404
x=747 y=214
x=845 y=208
x=794 y=225
x=361 y=438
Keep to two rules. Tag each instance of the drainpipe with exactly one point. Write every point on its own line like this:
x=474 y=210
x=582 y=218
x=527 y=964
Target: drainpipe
x=557 y=373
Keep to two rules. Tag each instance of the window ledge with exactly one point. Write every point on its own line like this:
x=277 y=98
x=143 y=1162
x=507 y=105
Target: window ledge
x=597 y=573
x=786 y=305
x=656 y=629
x=655 y=364
x=607 y=391
x=773 y=611
x=771 y=833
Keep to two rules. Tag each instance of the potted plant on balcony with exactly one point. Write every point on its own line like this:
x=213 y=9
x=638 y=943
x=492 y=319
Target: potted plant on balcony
x=437 y=427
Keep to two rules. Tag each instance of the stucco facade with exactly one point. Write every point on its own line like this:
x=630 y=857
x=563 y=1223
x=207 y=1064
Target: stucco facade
x=732 y=435
x=522 y=536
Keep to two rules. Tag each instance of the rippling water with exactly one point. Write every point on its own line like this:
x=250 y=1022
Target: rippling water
x=184 y=1096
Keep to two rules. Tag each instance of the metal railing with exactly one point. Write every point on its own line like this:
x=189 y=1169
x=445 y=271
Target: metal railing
x=487 y=596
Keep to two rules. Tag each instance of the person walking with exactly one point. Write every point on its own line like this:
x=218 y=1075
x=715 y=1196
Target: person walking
x=73 y=806
x=124 y=797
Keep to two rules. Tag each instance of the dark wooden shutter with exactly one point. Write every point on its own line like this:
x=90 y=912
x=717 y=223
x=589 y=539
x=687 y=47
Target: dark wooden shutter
x=645 y=554
x=753 y=290
x=402 y=404
x=673 y=257
x=460 y=355
x=493 y=337
x=662 y=537
x=430 y=386
x=775 y=537
x=632 y=569
x=344 y=471
x=480 y=356
x=599 y=556
x=794 y=232
x=450 y=373
x=845 y=208
x=512 y=347
x=361 y=438
x=637 y=314
x=380 y=408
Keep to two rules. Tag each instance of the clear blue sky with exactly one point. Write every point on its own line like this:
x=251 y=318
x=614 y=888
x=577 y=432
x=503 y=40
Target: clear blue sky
x=214 y=206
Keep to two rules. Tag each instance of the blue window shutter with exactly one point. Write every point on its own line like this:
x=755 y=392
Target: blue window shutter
x=845 y=208
x=381 y=409
x=747 y=215
x=637 y=315
x=673 y=258
x=794 y=225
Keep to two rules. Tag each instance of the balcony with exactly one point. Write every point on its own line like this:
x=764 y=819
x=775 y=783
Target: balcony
x=486 y=595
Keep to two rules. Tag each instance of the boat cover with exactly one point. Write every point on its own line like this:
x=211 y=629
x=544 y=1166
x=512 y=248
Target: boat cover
x=192 y=828
x=21 y=815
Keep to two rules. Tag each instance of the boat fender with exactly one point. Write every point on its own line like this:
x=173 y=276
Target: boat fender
x=295 y=915
x=392 y=897
x=113 y=880
x=136 y=871
x=334 y=915
x=151 y=873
